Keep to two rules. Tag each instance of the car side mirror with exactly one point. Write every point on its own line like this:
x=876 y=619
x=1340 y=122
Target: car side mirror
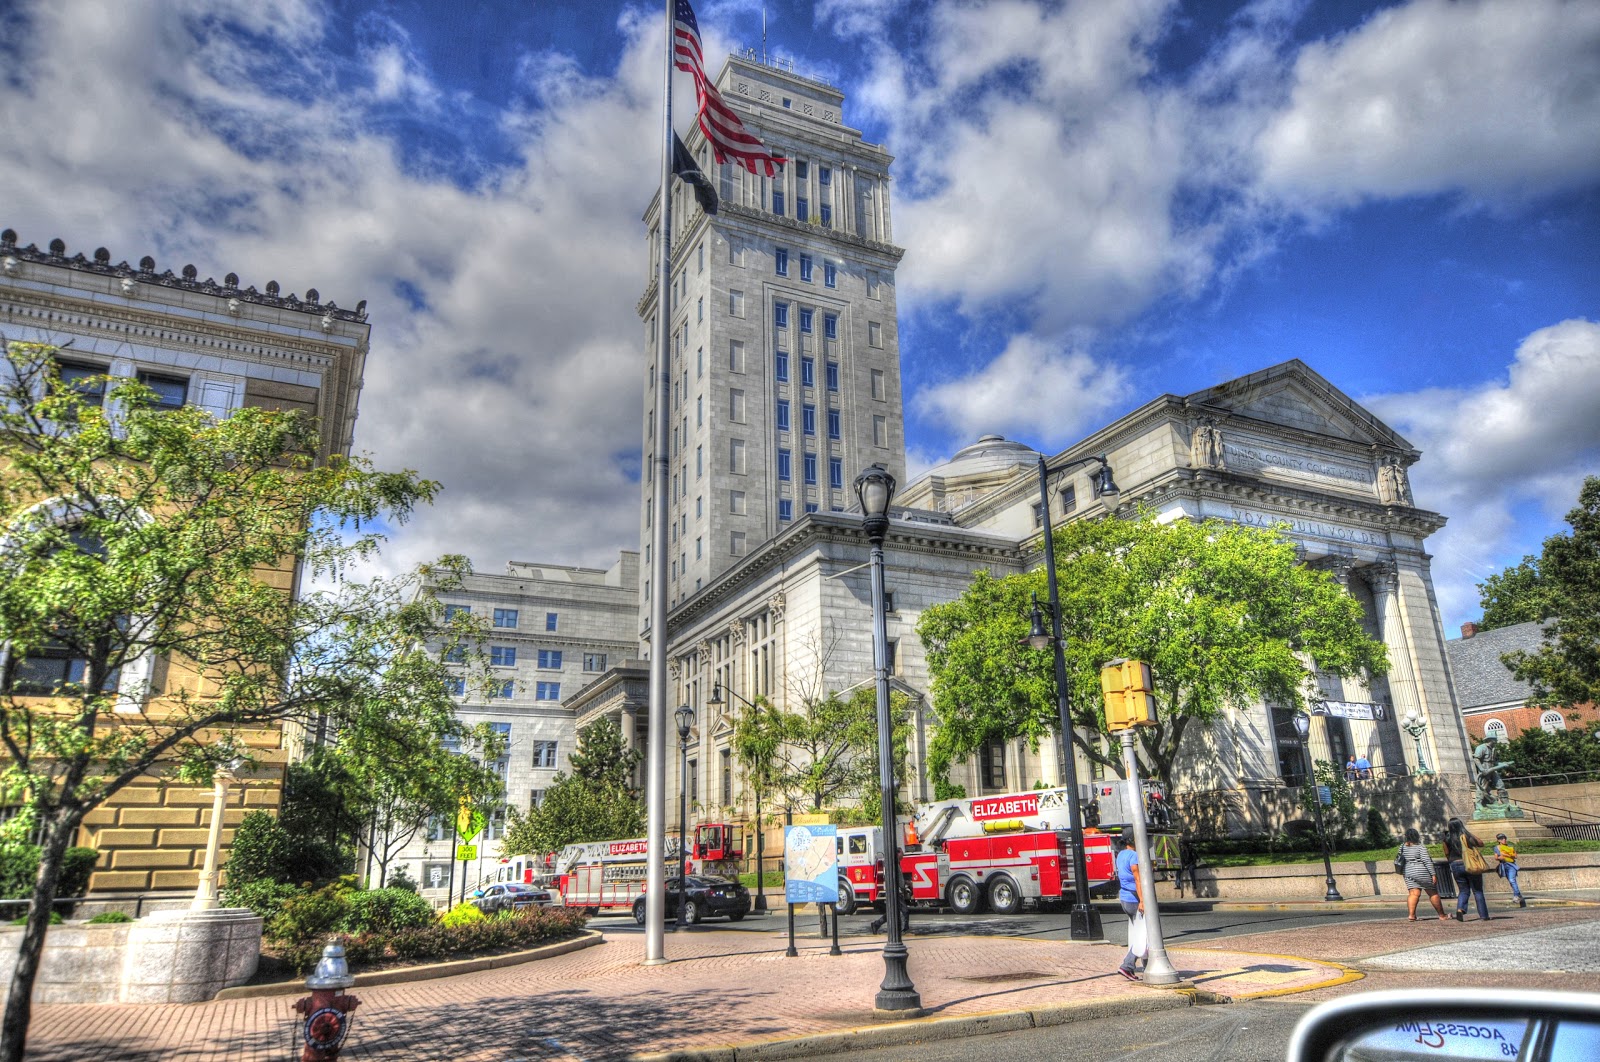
x=1450 y=1025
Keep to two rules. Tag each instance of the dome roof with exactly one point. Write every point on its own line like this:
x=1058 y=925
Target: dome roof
x=991 y=453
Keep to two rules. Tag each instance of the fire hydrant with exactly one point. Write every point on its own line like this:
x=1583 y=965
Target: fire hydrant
x=328 y=1009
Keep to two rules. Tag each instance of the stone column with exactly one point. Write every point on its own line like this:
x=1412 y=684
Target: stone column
x=205 y=897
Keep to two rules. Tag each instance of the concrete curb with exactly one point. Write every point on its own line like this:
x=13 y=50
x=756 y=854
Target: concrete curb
x=921 y=1029
x=1346 y=975
x=588 y=939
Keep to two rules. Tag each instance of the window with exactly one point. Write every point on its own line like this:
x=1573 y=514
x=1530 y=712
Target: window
x=811 y=507
x=503 y=689
x=699 y=363
x=824 y=175
x=805 y=268
x=544 y=754
x=808 y=372
x=550 y=659
x=780 y=261
x=880 y=431
x=51 y=668
x=700 y=258
x=735 y=356
x=808 y=419
x=780 y=315
x=535 y=798
x=778 y=203
x=736 y=406
x=550 y=621
x=727 y=776
x=699 y=411
x=505 y=617
x=697 y=553
x=805 y=321
x=503 y=656
x=1291 y=767
x=1038 y=515
x=547 y=691
x=455 y=687
x=736 y=502
x=874 y=334
x=992 y=765
x=170 y=390
x=877 y=384
x=78 y=376
x=694 y=780
x=594 y=661
x=1069 y=498
x=833 y=374
x=1495 y=729
x=808 y=465
x=888 y=600
x=700 y=309
x=783 y=414
x=736 y=543
x=699 y=462
x=780 y=369
x=456 y=654
x=699 y=507
x=785 y=465
x=785 y=509
x=802 y=170
x=825 y=215
x=452 y=611
x=830 y=272
x=735 y=303
x=872 y=285
x=736 y=456
x=438 y=830
x=833 y=424
x=735 y=253
x=836 y=473
x=1552 y=721
x=802 y=208
x=830 y=327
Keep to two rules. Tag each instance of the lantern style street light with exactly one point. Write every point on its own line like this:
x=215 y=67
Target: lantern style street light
x=1085 y=919
x=716 y=701
x=875 y=489
x=1302 y=726
x=684 y=717
x=1416 y=726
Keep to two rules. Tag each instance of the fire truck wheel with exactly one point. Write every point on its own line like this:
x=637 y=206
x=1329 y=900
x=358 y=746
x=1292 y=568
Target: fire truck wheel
x=1004 y=899
x=963 y=897
x=846 y=903
x=638 y=911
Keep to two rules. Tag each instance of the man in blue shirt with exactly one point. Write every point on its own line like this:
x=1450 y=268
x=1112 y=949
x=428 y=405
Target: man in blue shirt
x=1130 y=893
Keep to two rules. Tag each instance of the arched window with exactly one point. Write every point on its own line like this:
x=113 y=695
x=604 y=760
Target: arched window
x=1495 y=729
x=1552 y=721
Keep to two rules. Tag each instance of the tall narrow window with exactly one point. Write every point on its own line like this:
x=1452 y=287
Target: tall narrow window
x=780 y=261
x=783 y=414
x=836 y=472
x=808 y=419
x=833 y=376
x=805 y=268
x=805 y=321
x=809 y=464
x=808 y=372
x=780 y=366
x=785 y=465
x=830 y=272
x=780 y=315
x=778 y=203
x=171 y=391
x=785 y=509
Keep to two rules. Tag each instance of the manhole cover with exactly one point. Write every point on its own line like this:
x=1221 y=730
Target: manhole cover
x=995 y=979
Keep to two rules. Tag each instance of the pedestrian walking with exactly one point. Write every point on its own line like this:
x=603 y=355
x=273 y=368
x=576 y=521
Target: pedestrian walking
x=1416 y=866
x=1130 y=894
x=1508 y=865
x=1467 y=866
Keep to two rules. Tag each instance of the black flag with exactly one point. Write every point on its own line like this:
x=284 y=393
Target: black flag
x=684 y=168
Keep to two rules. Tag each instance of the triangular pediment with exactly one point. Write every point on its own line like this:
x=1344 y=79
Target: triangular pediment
x=1293 y=394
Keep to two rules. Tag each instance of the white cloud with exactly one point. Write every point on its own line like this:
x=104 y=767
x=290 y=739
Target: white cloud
x=1033 y=390
x=1527 y=439
x=1492 y=98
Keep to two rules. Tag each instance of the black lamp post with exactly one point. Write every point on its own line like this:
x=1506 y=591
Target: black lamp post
x=716 y=701
x=875 y=489
x=1302 y=726
x=1085 y=919
x=685 y=719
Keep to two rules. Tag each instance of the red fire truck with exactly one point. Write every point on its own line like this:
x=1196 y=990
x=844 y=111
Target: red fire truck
x=602 y=875
x=860 y=851
x=1000 y=850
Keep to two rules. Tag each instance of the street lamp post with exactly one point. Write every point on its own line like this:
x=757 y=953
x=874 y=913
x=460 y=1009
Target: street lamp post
x=1085 y=919
x=1302 y=726
x=1416 y=726
x=875 y=489
x=716 y=701
x=685 y=720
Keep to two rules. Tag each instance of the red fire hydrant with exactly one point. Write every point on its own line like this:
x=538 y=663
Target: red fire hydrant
x=328 y=1009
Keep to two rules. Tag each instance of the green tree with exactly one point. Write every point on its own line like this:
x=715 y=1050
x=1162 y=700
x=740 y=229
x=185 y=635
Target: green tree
x=758 y=745
x=1566 y=668
x=596 y=802
x=1555 y=756
x=1224 y=614
x=1515 y=595
x=831 y=750
x=133 y=534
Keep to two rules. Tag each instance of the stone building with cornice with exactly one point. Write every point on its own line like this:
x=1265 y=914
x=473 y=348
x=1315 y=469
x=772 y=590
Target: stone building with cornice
x=194 y=342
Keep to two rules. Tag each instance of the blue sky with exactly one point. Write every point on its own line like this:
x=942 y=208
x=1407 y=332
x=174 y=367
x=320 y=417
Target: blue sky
x=1100 y=202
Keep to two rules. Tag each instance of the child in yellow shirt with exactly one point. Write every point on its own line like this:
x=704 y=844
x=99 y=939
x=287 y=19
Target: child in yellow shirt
x=1508 y=865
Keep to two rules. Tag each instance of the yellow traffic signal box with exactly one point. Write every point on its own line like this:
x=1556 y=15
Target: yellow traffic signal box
x=1127 y=687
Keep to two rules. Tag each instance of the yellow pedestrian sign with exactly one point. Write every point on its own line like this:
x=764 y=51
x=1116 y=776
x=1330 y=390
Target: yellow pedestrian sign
x=470 y=821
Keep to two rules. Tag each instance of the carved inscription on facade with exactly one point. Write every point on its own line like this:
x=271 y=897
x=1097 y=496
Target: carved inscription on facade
x=1302 y=526
x=1241 y=455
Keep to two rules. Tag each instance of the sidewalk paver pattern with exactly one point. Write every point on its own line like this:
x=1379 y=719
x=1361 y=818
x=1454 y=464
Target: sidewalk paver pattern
x=601 y=1003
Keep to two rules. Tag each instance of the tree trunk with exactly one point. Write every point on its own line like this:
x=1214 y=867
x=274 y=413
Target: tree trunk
x=19 y=1002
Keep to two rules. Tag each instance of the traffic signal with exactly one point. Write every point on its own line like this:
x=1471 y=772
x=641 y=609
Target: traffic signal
x=1127 y=687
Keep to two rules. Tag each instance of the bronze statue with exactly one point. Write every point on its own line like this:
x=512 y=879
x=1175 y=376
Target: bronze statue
x=1486 y=770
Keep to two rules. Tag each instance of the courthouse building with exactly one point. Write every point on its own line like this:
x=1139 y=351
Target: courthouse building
x=194 y=342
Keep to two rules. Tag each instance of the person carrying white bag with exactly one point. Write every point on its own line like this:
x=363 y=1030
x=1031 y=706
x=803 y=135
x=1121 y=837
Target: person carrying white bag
x=1130 y=893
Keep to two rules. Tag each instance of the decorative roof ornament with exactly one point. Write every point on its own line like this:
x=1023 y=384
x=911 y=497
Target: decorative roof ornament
x=13 y=255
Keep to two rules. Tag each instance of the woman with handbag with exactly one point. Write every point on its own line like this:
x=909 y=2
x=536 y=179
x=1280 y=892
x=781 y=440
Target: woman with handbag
x=1416 y=865
x=1467 y=866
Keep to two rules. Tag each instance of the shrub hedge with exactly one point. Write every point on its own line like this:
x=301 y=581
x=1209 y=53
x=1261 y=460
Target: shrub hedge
x=526 y=928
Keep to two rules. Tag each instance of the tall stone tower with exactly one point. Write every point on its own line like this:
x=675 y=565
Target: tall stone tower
x=785 y=353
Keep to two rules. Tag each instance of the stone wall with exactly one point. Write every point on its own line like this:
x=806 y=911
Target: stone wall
x=1425 y=802
x=1307 y=882
x=1555 y=804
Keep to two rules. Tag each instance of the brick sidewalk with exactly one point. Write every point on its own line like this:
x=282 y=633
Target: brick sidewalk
x=724 y=987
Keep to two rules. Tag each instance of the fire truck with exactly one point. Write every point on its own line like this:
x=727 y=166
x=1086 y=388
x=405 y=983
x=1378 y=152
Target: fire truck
x=998 y=850
x=600 y=875
x=860 y=853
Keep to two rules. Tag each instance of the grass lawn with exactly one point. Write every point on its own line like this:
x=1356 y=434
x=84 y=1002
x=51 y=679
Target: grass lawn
x=1379 y=855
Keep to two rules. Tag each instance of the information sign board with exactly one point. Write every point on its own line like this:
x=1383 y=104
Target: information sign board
x=811 y=864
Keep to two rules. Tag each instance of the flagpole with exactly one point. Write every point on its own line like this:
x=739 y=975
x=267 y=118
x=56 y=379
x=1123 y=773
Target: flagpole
x=656 y=749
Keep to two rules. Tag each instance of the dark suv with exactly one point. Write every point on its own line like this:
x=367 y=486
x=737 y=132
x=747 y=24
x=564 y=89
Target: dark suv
x=708 y=895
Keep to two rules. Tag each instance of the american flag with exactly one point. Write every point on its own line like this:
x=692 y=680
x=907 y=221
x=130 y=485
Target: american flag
x=723 y=129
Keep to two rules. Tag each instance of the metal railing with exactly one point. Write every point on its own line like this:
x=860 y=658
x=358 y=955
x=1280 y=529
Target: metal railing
x=1575 y=831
